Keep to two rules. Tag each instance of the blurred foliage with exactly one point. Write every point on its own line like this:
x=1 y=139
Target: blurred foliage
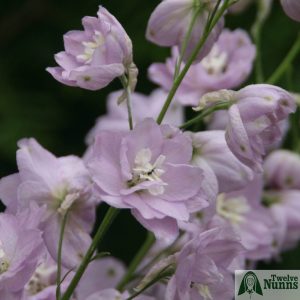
x=33 y=104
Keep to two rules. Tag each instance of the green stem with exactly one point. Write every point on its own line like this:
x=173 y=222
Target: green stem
x=106 y=223
x=259 y=73
x=160 y=276
x=263 y=12
x=206 y=112
x=59 y=254
x=186 y=41
x=209 y=27
x=136 y=261
x=165 y=252
x=286 y=63
x=125 y=83
x=213 y=14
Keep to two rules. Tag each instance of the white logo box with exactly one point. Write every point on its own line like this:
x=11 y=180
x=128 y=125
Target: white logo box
x=267 y=284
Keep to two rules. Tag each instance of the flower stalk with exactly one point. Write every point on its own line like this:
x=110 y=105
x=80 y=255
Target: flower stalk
x=206 y=112
x=127 y=90
x=209 y=27
x=103 y=228
x=286 y=63
x=136 y=261
x=59 y=254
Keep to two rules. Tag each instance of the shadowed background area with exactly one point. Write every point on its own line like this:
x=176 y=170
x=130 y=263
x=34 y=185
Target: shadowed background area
x=33 y=104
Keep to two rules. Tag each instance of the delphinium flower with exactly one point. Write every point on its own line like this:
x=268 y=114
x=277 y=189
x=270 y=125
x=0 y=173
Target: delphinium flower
x=254 y=119
x=281 y=170
x=104 y=273
x=95 y=56
x=142 y=107
x=148 y=170
x=101 y=274
x=292 y=8
x=251 y=221
x=203 y=183
x=202 y=270
x=42 y=283
x=219 y=121
x=61 y=185
x=226 y=66
x=108 y=294
x=170 y=21
x=210 y=149
x=112 y=294
x=284 y=207
x=282 y=194
x=21 y=249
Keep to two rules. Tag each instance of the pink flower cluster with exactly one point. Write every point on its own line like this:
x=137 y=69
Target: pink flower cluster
x=216 y=200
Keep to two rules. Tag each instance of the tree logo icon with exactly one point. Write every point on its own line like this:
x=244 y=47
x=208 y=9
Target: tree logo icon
x=250 y=284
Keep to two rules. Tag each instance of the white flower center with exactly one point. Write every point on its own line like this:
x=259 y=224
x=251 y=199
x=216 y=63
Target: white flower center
x=4 y=262
x=90 y=47
x=67 y=202
x=204 y=291
x=215 y=62
x=144 y=170
x=41 y=279
x=233 y=209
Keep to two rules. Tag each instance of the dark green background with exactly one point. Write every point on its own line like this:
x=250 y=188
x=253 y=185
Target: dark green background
x=33 y=104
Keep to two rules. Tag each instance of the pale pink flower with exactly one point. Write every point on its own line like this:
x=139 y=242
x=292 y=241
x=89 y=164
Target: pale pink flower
x=285 y=207
x=282 y=170
x=169 y=23
x=148 y=171
x=202 y=267
x=95 y=56
x=21 y=248
x=250 y=220
x=59 y=185
x=228 y=64
x=143 y=107
x=254 y=121
x=210 y=149
x=292 y=8
x=104 y=273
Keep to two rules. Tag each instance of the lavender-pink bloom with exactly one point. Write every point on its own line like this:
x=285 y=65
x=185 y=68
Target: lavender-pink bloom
x=4 y=294
x=108 y=294
x=42 y=284
x=112 y=294
x=101 y=274
x=282 y=170
x=21 y=249
x=169 y=23
x=253 y=123
x=148 y=171
x=219 y=121
x=202 y=267
x=285 y=207
x=142 y=106
x=210 y=147
x=251 y=221
x=60 y=185
x=95 y=56
x=227 y=65
x=292 y=8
